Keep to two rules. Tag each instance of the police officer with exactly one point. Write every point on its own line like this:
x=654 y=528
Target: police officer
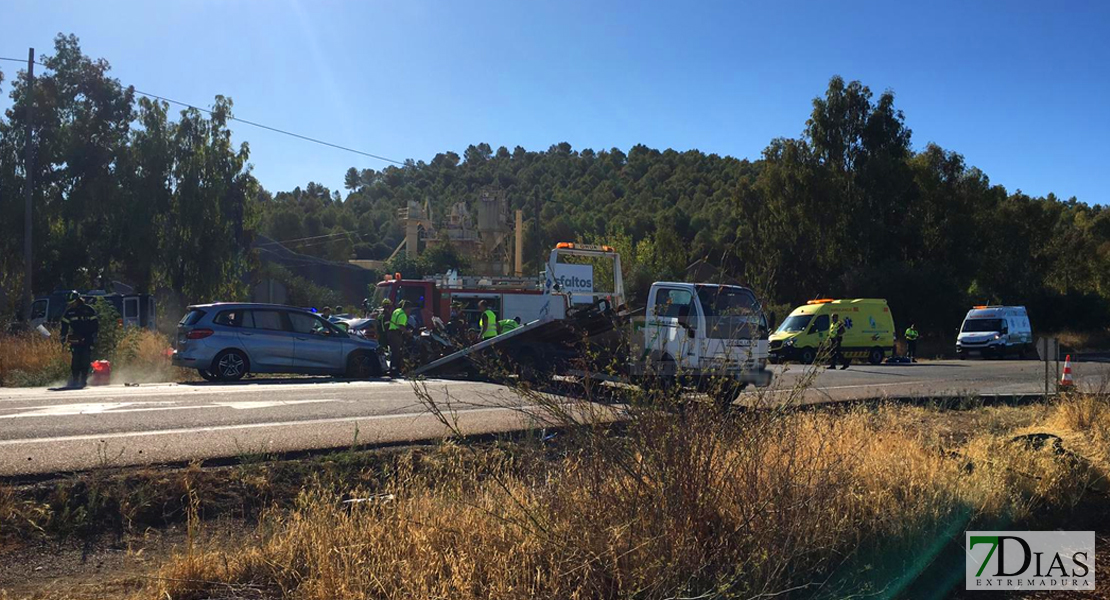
x=911 y=342
x=487 y=322
x=80 y=327
x=836 y=338
x=398 y=324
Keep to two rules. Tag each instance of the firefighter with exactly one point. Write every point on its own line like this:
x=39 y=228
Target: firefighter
x=911 y=342
x=382 y=321
x=836 y=339
x=398 y=325
x=456 y=326
x=488 y=327
x=80 y=327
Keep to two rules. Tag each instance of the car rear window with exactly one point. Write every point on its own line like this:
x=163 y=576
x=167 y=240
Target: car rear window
x=230 y=318
x=266 y=319
x=192 y=317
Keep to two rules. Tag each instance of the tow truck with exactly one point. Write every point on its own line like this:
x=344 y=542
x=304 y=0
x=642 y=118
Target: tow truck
x=689 y=332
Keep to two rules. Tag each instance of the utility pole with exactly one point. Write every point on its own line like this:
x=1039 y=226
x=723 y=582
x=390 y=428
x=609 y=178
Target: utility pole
x=28 y=185
x=536 y=230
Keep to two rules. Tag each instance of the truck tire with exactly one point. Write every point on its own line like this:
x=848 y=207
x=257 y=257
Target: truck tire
x=807 y=356
x=727 y=393
x=876 y=355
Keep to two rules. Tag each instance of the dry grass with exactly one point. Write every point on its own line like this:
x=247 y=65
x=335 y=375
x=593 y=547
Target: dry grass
x=143 y=357
x=689 y=503
x=1084 y=340
x=31 y=359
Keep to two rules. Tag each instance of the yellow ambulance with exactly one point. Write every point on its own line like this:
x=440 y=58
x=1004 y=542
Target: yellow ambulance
x=869 y=333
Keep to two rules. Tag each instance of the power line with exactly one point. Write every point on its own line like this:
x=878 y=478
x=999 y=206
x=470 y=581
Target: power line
x=313 y=237
x=251 y=123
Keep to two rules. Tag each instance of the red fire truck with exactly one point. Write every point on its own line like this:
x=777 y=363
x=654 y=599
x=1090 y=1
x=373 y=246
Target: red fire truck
x=508 y=297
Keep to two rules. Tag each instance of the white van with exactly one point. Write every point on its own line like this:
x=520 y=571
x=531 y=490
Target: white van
x=995 y=331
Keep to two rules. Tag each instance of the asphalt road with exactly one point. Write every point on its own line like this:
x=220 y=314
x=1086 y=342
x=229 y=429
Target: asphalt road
x=45 y=431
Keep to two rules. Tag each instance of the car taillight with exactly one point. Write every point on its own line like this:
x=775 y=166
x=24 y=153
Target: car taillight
x=198 y=334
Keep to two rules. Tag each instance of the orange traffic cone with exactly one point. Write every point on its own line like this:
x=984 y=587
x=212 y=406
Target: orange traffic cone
x=1065 y=379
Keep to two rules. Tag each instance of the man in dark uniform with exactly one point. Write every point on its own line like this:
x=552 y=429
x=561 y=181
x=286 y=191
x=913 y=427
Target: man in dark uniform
x=836 y=339
x=456 y=326
x=80 y=327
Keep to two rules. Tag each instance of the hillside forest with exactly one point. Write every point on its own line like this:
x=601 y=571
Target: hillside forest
x=852 y=206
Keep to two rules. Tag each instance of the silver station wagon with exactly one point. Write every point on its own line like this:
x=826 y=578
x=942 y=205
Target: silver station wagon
x=225 y=341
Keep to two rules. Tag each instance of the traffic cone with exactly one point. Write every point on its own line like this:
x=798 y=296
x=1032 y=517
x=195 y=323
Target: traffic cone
x=1065 y=379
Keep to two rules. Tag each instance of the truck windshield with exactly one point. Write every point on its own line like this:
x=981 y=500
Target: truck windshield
x=730 y=312
x=380 y=293
x=982 y=325
x=795 y=324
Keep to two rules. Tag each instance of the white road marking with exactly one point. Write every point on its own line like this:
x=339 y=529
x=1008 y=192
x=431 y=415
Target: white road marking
x=176 y=389
x=215 y=428
x=114 y=408
x=249 y=405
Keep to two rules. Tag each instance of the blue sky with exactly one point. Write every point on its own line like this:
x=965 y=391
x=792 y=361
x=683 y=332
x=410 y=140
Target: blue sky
x=1021 y=89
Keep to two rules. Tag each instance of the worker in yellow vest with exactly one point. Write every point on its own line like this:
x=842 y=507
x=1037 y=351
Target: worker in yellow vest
x=508 y=325
x=911 y=343
x=487 y=322
x=398 y=325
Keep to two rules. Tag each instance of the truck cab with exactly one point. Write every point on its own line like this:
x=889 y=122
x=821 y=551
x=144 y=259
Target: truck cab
x=702 y=329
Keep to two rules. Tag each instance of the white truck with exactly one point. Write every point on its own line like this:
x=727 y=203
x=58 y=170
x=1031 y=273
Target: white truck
x=704 y=330
x=690 y=332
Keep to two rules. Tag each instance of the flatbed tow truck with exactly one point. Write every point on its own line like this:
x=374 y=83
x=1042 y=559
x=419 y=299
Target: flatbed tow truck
x=689 y=333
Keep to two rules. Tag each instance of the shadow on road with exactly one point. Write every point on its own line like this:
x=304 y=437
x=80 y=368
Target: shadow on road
x=307 y=380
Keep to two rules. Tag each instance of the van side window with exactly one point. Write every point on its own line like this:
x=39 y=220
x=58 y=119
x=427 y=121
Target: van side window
x=230 y=318
x=309 y=324
x=267 y=319
x=820 y=324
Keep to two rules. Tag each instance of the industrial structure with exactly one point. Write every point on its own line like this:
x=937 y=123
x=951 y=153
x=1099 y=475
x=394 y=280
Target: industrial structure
x=489 y=236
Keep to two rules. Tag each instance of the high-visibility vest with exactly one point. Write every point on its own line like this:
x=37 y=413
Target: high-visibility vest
x=488 y=324
x=508 y=325
x=399 y=320
x=911 y=334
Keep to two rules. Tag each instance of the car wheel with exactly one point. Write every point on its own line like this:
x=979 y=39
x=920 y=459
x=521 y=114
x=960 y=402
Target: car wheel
x=875 y=357
x=362 y=365
x=808 y=355
x=230 y=365
x=206 y=375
